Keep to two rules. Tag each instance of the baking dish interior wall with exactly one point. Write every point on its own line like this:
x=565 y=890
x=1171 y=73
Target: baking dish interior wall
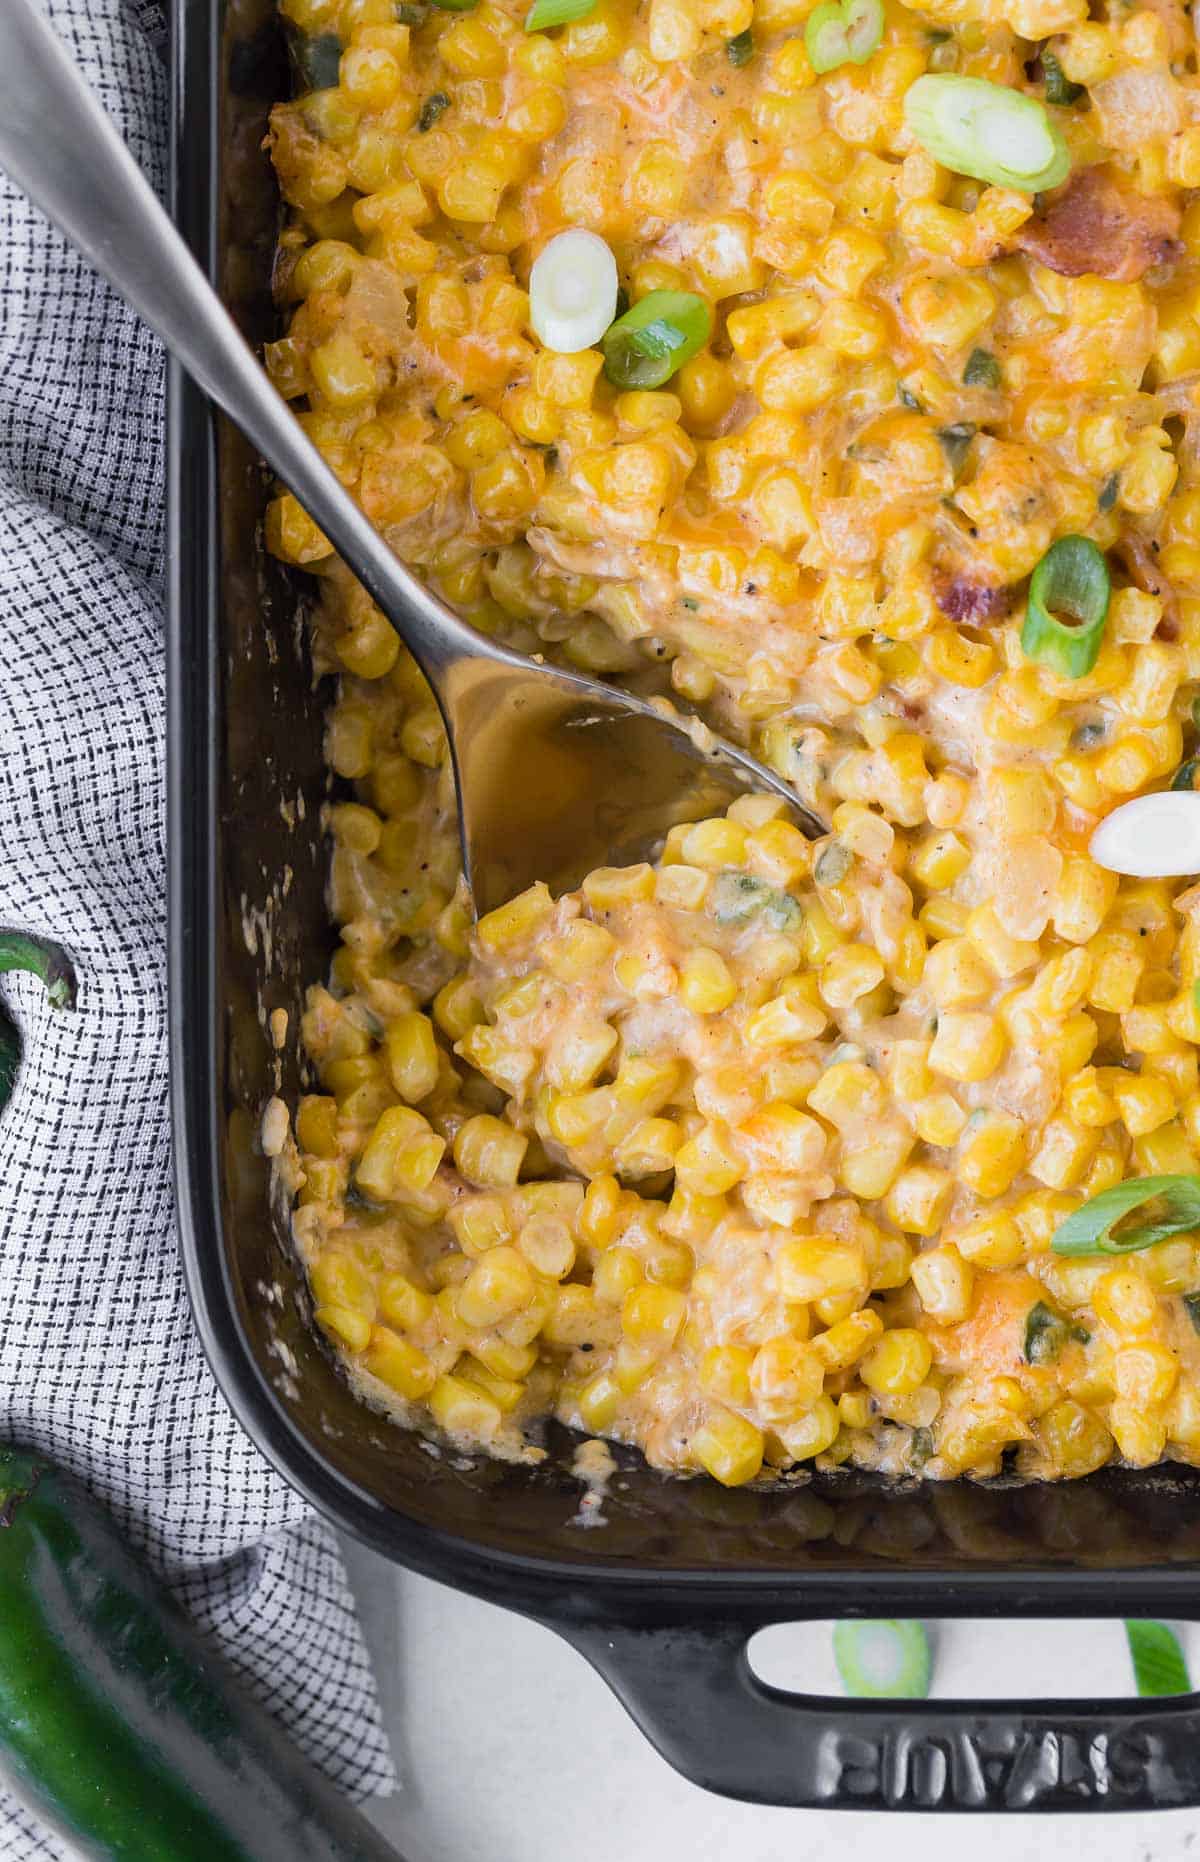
x=273 y=933
x=273 y=938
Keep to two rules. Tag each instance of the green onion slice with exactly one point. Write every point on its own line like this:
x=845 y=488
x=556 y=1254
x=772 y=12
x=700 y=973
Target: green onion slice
x=658 y=335
x=1090 y=1230
x=1191 y=1306
x=920 y=1447
x=1159 y=1664
x=1185 y=775
x=832 y=863
x=1058 y=86
x=738 y=897
x=956 y=443
x=457 y=6
x=546 y=13
x=316 y=59
x=740 y=49
x=1046 y=1332
x=883 y=1660
x=982 y=370
x=987 y=131
x=435 y=105
x=1155 y=836
x=1072 y=578
x=572 y=291
x=843 y=32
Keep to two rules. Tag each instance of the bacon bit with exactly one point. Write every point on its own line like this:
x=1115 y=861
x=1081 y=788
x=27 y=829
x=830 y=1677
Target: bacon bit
x=1099 y=224
x=1142 y=566
x=964 y=600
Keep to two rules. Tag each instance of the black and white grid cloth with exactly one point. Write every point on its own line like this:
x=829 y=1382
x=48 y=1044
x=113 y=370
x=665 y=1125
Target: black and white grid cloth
x=99 y=1364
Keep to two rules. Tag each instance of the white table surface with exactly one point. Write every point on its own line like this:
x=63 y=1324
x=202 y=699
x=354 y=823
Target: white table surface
x=511 y=1749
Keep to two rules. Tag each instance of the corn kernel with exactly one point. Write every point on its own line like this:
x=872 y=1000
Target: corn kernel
x=462 y=1409
x=729 y=1448
x=652 y=1315
x=945 y=1284
x=992 y=1154
x=706 y=984
x=898 y=1364
x=402 y=1155
x=845 y=1341
x=851 y=971
x=724 y=1374
x=609 y=886
x=919 y=1199
x=489 y=1153
x=809 y=1269
x=967 y=1047
x=1123 y=1300
x=399 y=1364
x=786 y=1377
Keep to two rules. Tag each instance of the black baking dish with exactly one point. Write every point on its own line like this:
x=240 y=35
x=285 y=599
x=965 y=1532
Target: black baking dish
x=664 y=1596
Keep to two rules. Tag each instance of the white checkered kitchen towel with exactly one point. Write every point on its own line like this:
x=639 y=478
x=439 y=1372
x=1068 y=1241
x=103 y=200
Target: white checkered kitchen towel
x=99 y=1364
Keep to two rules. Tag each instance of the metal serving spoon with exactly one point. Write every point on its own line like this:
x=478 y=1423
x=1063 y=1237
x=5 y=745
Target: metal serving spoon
x=556 y=773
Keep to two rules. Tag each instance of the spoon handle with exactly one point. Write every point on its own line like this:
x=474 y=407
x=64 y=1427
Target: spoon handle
x=60 y=147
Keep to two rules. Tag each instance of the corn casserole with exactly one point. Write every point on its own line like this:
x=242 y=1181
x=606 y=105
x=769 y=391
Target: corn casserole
x=873 y=446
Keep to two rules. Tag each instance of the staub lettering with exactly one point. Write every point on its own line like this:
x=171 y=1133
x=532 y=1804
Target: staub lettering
x=993 y=1766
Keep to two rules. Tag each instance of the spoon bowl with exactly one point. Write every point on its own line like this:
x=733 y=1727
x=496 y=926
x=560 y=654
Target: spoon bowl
x=557 y=775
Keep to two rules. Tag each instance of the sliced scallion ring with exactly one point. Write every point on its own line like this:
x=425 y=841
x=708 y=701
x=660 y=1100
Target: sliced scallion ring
x=1153 y=837
x=572 y=291
x=843 y=32
x=546 y=13
x=988 y=131
x=1090 y=1229
x=1072 y=578
x=883 y=1660
x=1159 y=1664
x=661 y=332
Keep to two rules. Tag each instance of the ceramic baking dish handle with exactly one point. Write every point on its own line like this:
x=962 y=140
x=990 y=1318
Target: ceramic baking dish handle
x=693 y=1693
